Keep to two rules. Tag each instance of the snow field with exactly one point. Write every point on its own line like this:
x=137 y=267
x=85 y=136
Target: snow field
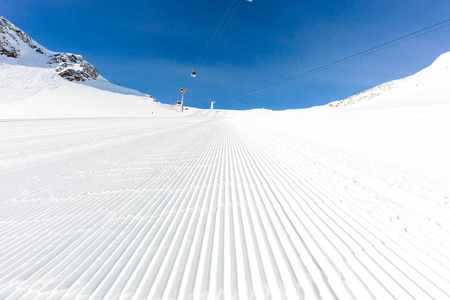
x=221 y=205
x=20 y=82
x=77 y=100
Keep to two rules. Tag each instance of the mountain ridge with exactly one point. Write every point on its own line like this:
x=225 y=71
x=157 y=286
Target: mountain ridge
x=17 y=45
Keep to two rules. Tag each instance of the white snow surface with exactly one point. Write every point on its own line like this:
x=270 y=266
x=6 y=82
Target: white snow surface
x=64 y=99
x=21 y=82
x=261 y=205
x=100 y=199
x=36 y=92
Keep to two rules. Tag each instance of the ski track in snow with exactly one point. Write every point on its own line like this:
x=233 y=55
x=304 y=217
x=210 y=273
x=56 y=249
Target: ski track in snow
x=202 y=207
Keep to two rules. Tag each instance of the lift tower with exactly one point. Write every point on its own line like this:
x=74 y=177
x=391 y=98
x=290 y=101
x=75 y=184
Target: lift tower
x=182 y=91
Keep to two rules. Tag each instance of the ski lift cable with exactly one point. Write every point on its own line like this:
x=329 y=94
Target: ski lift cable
x=215 y=32
x=329 y=66
x=332 y=65
x=221 y=33
x=372 y=50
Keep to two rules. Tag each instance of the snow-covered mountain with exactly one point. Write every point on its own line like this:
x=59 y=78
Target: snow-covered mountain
x=38 y=83
x=429 y=86
x=20 y=48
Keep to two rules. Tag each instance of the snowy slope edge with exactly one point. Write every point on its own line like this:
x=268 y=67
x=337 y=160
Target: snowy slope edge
x=429 y=86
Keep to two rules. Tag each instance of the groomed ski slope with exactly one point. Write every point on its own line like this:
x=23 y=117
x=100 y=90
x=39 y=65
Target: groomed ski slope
x=216 y=205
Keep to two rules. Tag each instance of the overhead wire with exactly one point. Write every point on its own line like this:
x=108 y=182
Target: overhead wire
x=215 y=33
x=221 y=33
x=352 y=57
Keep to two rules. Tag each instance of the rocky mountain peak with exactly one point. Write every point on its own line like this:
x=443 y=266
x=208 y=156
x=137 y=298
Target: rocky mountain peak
x=73 y=67
x=16 y=44
x=13 y=40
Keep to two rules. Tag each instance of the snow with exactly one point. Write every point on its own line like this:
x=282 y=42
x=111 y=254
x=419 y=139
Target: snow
x=107 y=194
x=233 y=204
x=28 y=92
x=104 y=84
x=20 y=82
x=78 y=100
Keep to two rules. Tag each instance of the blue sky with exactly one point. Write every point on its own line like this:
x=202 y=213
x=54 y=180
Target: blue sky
x=152 y=45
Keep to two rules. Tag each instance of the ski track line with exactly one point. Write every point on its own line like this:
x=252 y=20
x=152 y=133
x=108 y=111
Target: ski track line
x=84 y=150
x=210 y=208
x=69 y=146
x=313 y=202
x=321 y=190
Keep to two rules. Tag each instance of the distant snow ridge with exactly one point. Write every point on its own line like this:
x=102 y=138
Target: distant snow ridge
x=19 y=48
x=429 y=86
x=367 y=94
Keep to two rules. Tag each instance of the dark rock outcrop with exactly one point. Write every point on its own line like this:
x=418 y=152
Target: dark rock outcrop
x=73 y=67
